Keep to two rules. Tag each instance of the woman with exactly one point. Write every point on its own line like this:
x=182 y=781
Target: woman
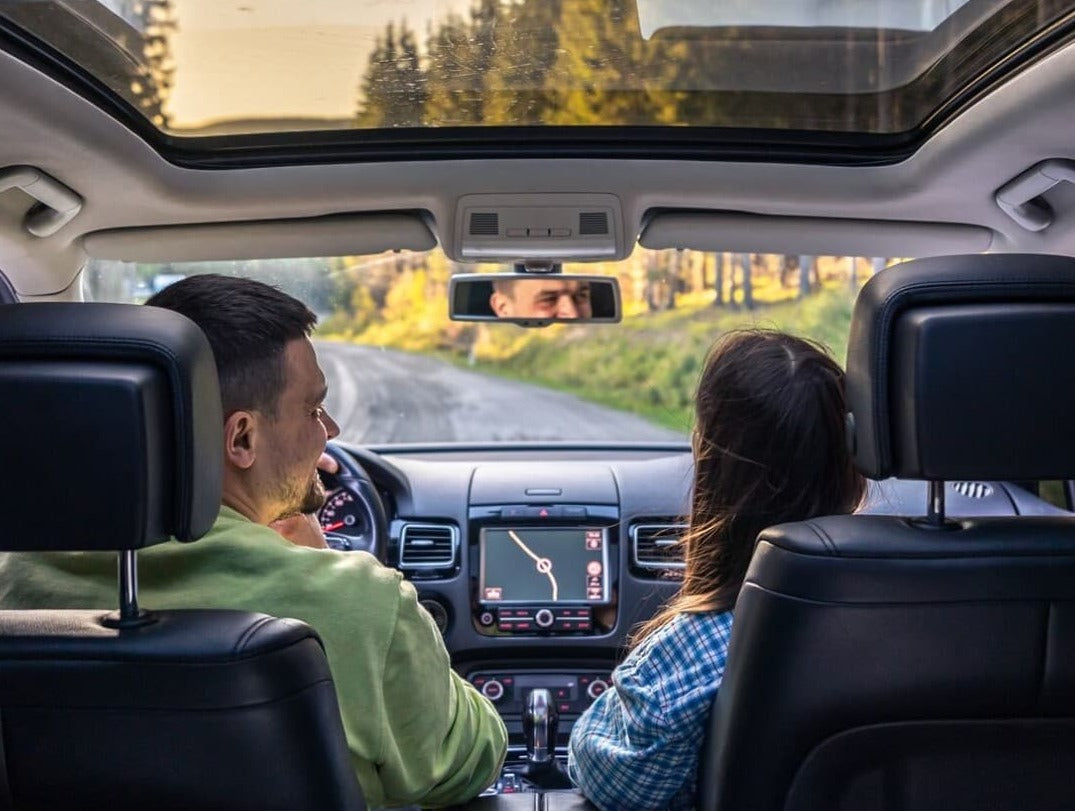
x=768 y=448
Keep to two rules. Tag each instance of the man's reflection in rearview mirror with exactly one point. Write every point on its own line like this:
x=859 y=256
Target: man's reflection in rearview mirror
x=553 y=298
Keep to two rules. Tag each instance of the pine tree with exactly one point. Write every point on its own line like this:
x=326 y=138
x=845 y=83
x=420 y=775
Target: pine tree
x=461 y=53
x=525 y=45
x=605 y=73
x=393 y=91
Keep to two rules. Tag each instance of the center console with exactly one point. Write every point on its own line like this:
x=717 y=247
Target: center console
x=540 y=572
x=543 y=567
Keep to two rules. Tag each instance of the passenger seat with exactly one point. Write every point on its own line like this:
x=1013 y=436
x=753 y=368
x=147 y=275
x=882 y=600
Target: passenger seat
x=882 y=663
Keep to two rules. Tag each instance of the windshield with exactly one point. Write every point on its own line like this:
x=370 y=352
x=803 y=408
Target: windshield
x=204 y=68
x=399 y=371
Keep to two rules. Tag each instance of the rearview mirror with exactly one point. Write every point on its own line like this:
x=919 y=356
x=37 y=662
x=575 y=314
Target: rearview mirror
x=534 y=300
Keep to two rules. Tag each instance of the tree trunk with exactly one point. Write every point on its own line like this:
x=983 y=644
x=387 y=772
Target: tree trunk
x=748 y=286
x=718 y=281
x=675 y=263
x=805 y=265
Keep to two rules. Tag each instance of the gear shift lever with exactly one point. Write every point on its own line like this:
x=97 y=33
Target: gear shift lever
x=540 y=720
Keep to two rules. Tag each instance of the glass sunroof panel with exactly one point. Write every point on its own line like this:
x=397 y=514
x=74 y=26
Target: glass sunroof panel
x=207 y=67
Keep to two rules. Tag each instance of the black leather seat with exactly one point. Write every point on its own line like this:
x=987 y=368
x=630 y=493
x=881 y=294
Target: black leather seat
x=883 y=663
x=111 y=438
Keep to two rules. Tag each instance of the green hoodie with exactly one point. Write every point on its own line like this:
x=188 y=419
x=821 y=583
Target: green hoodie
x=418 y=733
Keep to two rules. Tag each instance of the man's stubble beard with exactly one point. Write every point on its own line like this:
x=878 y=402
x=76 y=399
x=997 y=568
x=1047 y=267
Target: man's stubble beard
x=314 y=499
x=309 y=500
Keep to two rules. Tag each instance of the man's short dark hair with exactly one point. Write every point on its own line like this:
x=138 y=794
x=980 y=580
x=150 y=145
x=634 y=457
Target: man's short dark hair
x=248 y=324
x=506 y=287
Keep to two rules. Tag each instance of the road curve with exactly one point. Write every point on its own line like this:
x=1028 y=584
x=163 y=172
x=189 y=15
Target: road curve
x=381 y=396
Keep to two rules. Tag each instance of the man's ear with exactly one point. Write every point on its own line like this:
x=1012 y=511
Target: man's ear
x=499 y=303
x=240 y=439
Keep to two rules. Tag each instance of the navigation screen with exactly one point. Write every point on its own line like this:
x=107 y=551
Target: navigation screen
x=544 y=565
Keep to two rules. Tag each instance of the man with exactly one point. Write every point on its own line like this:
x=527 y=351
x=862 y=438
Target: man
x=418 y=733
x=541 y=297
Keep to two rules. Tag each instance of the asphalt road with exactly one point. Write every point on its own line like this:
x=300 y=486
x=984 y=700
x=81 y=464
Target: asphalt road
x=383 y=396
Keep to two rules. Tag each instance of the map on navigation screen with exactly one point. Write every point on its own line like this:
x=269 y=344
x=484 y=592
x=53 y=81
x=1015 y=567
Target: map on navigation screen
x=543 y=565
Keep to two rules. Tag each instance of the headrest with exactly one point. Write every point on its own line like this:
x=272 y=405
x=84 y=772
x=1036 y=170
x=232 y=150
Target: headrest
x=111 y=432
x=959 y=367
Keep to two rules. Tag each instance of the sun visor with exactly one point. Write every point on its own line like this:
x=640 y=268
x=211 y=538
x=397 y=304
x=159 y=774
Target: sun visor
x=737 y=232
x=335 y=235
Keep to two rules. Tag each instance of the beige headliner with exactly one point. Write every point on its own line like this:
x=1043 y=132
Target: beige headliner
x=126 y=185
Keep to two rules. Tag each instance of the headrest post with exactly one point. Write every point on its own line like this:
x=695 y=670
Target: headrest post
x=130 y=615
x=128 y=584
x=935 y=508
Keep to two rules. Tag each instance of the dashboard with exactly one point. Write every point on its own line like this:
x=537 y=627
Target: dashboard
x=537 y=562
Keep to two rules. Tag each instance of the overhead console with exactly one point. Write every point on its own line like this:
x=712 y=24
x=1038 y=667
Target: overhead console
x=543 y=551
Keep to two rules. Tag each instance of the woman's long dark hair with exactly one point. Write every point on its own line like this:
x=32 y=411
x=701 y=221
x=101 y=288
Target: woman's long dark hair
x=769 y=447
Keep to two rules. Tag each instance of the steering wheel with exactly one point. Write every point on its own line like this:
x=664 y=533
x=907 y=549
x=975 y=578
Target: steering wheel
x=355 y=490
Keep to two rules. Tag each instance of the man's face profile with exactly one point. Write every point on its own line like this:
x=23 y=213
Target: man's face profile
x=550 y=298
x=298 y=432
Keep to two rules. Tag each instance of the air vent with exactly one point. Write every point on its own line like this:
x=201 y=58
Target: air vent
x=973 y=489
x=656 y=546
x=484 y=224
x=427 y=546
x=593 y=223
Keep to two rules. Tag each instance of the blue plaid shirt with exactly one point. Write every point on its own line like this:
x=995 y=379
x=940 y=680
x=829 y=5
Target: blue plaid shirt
x=636 y=747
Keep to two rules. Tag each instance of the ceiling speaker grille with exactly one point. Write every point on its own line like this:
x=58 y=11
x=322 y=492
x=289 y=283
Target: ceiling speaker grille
x=593 y=223
x=484 y=224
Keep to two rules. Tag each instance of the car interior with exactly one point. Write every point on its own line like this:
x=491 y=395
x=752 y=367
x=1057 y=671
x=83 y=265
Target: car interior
x=910 y=656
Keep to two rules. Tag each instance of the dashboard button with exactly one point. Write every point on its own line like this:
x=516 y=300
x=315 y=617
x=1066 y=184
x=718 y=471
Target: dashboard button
x=486 y=618
x=544 y=618
x=596 y=688
x=493 y=690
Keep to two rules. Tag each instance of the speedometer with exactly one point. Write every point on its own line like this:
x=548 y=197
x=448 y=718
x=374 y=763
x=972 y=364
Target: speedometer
x=342 y=513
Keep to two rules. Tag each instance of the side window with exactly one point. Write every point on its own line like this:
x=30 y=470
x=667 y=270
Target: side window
x=1057 y=493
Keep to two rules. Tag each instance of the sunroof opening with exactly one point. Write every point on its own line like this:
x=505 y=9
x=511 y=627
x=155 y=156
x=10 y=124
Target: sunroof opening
x=877 y=15
x=196 y=68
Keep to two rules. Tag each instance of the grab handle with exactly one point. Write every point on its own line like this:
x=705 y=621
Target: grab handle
x=1019 y=197
x=58 y=204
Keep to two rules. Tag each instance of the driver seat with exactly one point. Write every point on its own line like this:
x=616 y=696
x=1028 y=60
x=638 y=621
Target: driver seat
x=111 y=435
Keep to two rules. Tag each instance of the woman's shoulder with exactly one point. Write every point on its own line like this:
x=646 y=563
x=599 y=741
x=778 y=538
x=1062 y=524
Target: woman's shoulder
x=687 y=632
x=688 y=641
x=679 y=666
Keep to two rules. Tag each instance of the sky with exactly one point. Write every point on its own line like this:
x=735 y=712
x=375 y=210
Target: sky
x=238 y=59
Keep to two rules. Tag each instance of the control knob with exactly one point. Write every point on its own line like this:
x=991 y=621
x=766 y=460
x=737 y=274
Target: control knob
x=493 y=690
x=596 y=688
x=543 y=618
